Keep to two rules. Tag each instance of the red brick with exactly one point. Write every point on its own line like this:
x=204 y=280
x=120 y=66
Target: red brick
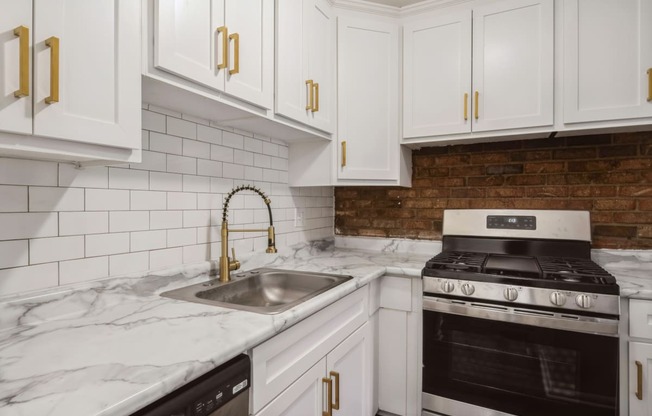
x=402 y=193
x=531 y=155
x=637 y=191
x=575 y=153
x=614 y=204
x=467 y=171
x=417 y=203
x=468 y=193
x=592 y=140
x=372 y=232
x=520 y=180
x=416 y=224
x=505 y=192
x=593 y=166
x=593 y=191
x=504 y=169
x=602 y=217
x=346 y=193
x=617 y=151
x=383 y=223
x=645 y=231
x=645 y=204
x=434 y=193
x=633 y=217
x=547 y=192
x=432 y=214
x=491 y=203
x=482 y=158
x=552 y=167
x=623 y=231
x=424 y=161
x=636 y=164
x=486 y=181
x=452 y=160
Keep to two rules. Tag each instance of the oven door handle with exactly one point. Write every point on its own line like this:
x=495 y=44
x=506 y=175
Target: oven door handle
x=583 y=324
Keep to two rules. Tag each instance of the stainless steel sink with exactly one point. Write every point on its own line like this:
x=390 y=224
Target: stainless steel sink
x=266 y=291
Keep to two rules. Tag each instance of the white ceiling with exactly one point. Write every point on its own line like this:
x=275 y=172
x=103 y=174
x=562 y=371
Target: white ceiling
x=396 y=3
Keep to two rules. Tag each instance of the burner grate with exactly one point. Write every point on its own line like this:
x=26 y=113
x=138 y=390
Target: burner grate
x=571 y=269
x=461 y=261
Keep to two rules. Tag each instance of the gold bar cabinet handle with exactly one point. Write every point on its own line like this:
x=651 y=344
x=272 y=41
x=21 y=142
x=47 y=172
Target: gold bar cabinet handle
x=344 y=153
x=311 y=98
x=336 y=375
x=316 y=107
x=53 y=43
x=225 y=46
x=649 y=84
x=329 y=405
x=236 y=53
x=23 y=62
x=477 y=105
x=639 y=380
x=466 y=106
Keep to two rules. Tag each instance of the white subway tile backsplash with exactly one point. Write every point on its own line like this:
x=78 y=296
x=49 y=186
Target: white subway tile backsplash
x=13 y=198
x=75 y=271
x=46 y=250
x=14 y=226
x=192 y=183
x=182 y=164
x=104 y=244
x=170 y=257
x=166 y=144
x=148 y=240
x=148 y=200
x=165 y=181
x=194 y=148
x=209 y=134
x=122 y=264
x=25 y=279
x=27 y=172
x=106 y=200
x=87 y=177
x=120 y=221
x=128 y=179
x=182 y=237
x=153 y=121
x=78 y=223
x=182 y=128
x=182 y=200
x=232 y=140
x=60 y=224
x=13 y=254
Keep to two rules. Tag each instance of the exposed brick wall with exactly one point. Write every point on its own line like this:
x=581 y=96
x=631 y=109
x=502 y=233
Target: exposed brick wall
x=609 y=175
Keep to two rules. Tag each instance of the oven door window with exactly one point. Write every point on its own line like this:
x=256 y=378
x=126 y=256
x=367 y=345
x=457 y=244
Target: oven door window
x=519 y=369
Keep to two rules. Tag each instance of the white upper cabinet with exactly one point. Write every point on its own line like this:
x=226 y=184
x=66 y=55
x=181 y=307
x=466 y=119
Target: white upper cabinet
x=510 y=47
x=87 y=71
x=437 y=75
x=305 y=62
x=513 y=59
x=368 y=99
x=70 y=79
x=607 y=68
x=227 y=45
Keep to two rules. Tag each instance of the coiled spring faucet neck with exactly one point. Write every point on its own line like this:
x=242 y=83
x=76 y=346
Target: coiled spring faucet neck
x=229 y=264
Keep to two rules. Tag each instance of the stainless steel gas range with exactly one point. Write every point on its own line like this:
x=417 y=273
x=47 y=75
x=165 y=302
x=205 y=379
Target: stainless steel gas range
x=517 y=319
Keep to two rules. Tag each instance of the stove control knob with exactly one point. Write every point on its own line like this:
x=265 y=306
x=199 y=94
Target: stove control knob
x=584 y=301
x=557 y=298
x=510 y=294
x=447 y=286
x=468 y=289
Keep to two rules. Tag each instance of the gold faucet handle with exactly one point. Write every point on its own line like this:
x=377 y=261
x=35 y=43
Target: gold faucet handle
x=233 y=253
x=234 y=264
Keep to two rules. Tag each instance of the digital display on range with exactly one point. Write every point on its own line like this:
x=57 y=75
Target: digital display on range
x=512 y=222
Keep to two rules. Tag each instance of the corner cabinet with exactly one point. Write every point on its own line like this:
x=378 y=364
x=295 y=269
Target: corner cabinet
x=368 y=100
x=322 y=364
x=226 y=45
x=489 y=68
x=305 y=62
x=72 y=73
x=607 y=71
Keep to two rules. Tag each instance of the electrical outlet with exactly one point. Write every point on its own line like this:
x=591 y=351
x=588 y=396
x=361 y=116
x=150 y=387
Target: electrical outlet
x=299 y=215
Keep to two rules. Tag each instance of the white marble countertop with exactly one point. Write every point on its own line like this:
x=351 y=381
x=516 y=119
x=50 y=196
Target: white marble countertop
x=115 y=346
x=111 y=347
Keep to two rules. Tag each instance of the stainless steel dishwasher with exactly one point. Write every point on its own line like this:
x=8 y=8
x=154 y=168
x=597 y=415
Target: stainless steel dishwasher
x=223 y=391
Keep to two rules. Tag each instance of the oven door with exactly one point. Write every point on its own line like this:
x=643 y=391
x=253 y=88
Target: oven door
x=477 y=358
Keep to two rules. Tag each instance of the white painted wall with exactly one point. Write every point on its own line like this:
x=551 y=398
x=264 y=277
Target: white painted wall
x=61 y=225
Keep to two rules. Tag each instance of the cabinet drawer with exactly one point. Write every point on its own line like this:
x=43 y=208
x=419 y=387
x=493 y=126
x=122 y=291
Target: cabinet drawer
x=396 y=293
x=281 y=360
x=640 y=318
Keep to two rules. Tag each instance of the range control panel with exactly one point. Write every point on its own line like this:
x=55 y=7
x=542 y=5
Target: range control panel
x=512 y=222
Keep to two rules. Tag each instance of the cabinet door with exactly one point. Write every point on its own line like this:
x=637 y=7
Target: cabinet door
x=305 y=397
x=607 y=53
x=513 y=64
x=15 y=109
x=640 y=353
x=437 y=76
x=97 y=74
x=352 y=361
x=188 y=42
x=367 y=99
x=251 y=54
x=292 y=59
x=320 y=33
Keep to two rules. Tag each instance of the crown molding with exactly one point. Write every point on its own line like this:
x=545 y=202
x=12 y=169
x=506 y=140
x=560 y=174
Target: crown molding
x=392 y=11
x=428 y=5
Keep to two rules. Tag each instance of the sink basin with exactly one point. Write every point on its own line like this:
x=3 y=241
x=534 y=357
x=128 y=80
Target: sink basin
x=266 y=291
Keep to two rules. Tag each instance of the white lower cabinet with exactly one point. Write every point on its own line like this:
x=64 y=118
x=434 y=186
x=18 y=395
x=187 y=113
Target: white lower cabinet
x=330 y=350
x=341 y=376
x=639 y=364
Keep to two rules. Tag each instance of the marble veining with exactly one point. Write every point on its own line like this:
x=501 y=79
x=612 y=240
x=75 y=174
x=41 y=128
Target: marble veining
x=110 y=347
